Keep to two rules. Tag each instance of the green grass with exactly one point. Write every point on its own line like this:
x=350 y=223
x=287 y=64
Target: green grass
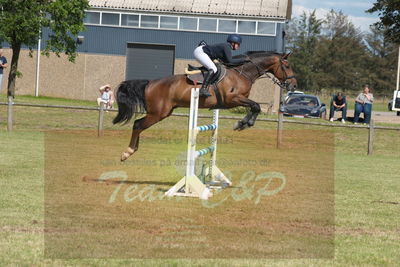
x=49 y=100
x=366 y=190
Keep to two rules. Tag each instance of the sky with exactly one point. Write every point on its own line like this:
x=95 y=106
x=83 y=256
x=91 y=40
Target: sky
x=354 y=9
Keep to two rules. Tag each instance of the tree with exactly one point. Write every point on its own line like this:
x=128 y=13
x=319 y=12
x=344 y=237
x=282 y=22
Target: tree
x=22 y=21
x=389 y=15
x=303 y=36
x=343 y=54
x=382 y=57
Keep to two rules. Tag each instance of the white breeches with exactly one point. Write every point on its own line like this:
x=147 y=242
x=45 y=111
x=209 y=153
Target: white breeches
x=204 y=59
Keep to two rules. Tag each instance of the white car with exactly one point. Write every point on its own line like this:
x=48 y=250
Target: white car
x=293 y=93
x=390 y=105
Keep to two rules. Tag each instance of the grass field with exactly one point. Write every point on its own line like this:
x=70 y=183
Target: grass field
x=55 y=209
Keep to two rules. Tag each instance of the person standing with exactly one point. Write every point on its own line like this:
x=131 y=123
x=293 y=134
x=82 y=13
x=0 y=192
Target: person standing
x=363 y=104
x=3 y=65
x=338 y=103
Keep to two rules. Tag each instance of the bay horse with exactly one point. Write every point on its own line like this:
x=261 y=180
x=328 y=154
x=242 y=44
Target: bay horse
x=158 y=98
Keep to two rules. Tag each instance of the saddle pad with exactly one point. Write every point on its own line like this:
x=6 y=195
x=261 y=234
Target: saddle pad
x=198 y=77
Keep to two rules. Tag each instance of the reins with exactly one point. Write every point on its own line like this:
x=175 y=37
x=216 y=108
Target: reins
x=283 y=84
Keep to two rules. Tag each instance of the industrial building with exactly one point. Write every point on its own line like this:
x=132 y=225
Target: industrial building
x=131 y=39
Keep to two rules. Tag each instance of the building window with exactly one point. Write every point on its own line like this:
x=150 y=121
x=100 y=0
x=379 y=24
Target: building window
x=130 y=20
x=149 y=21
x=206 y=24
x=266 y=28
x=227 y=25
x=247 y=27
x=92 y=18
x=209 y=25
x=188 y=24
x=168 y=22
x=110 y=19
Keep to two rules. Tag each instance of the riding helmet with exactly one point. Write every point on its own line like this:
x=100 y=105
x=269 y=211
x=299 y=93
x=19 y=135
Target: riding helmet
x=234 y=38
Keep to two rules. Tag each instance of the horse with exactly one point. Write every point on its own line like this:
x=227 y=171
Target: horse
x=158 y=98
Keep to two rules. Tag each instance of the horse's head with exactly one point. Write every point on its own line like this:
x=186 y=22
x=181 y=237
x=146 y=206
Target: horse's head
x=276 y=64
x=284 y=73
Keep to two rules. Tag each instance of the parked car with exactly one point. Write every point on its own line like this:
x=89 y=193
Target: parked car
x=304 y=106
x=293 y=93
x=390 y=105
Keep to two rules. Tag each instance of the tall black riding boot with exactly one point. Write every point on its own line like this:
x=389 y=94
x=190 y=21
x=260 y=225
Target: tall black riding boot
x=204 y=88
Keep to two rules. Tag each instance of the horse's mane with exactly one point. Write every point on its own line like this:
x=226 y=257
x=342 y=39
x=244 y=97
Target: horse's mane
x=261 y=53
x=253 y=55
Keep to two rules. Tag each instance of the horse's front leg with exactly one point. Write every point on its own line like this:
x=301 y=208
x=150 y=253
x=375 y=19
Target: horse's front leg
x=255 y=110
x=251 y=117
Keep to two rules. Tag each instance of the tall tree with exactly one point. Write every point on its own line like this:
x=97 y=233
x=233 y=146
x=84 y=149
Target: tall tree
x=344 y=53
x=22 y=20
x=303 y=38
x=382 y=57
x=389 y=14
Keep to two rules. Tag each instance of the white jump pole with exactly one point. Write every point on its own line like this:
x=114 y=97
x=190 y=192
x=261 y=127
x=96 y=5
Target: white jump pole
x=191 y=185
x=396 y=93
x=217 y=176
x=398 y=72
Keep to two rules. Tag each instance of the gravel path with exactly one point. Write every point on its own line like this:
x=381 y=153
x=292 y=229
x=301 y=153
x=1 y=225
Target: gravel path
x=377 y=116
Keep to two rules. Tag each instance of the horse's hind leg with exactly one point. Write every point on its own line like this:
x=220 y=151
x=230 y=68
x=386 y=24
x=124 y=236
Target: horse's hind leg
x=139 y=126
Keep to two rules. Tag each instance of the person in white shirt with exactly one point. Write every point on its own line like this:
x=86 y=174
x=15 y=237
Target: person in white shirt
x=106 y=96
x=363 y=104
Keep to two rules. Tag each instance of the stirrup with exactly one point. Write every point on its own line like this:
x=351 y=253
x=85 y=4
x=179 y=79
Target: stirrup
x=204 y=92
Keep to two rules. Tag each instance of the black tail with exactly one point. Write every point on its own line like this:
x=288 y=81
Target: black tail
x=130 y=99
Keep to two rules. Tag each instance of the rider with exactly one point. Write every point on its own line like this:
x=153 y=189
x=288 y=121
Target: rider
x=205 y=54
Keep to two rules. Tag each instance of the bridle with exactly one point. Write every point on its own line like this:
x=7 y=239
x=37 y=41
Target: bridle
x=261 y=72
x=284 y=83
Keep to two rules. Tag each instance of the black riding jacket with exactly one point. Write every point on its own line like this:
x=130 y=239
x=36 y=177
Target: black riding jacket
x=222 y=52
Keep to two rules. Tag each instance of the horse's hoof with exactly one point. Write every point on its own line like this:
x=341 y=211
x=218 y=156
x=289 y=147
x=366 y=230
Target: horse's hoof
x=125 y=155
x=243 y=127
x=237 y=126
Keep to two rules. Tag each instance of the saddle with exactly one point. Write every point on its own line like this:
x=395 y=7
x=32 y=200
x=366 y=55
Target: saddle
x=196 y=74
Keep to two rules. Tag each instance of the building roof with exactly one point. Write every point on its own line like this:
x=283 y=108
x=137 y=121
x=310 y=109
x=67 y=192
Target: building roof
x=276 y=9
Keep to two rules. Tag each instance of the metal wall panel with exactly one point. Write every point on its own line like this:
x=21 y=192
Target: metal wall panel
x=113 y=40
x=149 y=61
